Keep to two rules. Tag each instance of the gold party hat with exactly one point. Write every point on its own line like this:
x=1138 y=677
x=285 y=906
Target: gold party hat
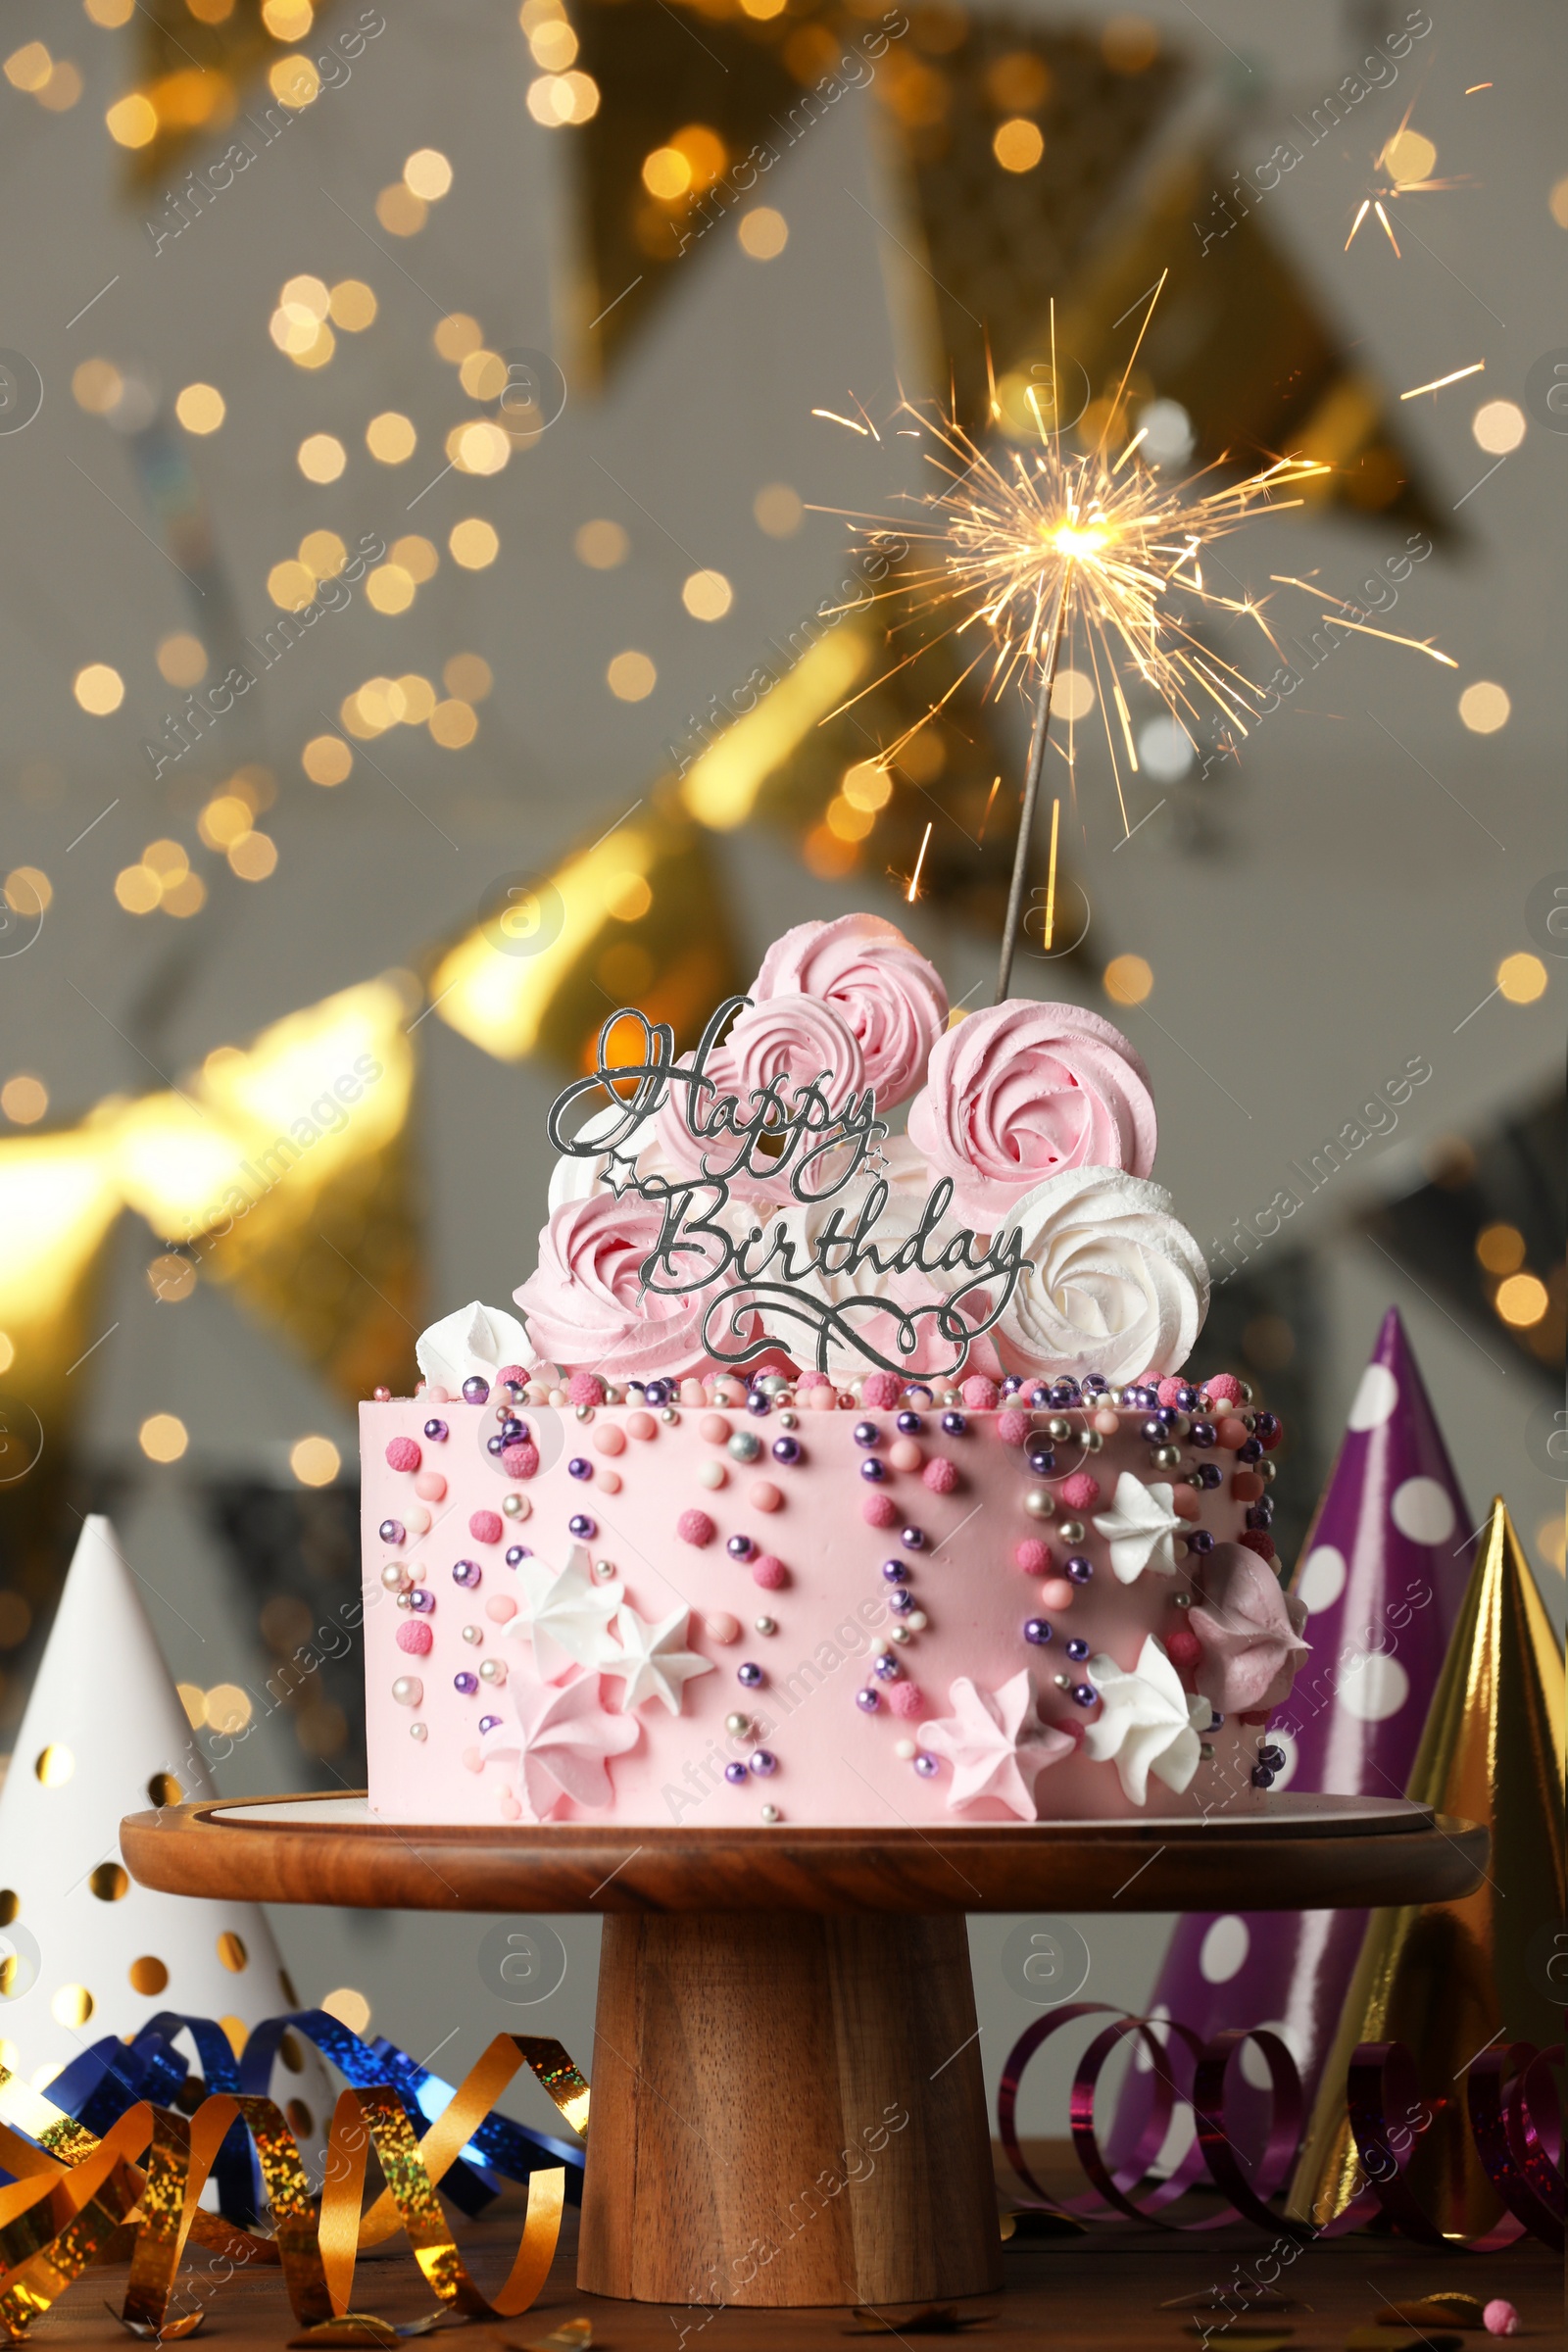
x=1450 y=1980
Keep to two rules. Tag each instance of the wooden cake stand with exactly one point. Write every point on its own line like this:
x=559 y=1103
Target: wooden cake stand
x=788 y=2105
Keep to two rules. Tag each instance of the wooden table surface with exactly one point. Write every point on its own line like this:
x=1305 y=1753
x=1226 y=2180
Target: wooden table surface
x=1101 y=2290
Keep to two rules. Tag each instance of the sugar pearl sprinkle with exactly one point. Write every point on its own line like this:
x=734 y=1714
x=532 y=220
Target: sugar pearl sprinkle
x=909 y=1444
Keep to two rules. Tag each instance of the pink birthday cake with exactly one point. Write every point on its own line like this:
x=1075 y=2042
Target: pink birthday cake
x=840 y=1464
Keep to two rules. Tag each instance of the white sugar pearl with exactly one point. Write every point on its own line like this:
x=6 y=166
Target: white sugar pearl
x=419 y=1731
x=408 y=1690
x=473 y=1634
x=918 y=1621
x=901 y=1632
x=712 y=1475
x=904 y=1749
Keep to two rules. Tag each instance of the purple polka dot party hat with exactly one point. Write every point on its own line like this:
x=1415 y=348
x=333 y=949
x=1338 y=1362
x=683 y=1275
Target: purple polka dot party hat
x=1381 y=1575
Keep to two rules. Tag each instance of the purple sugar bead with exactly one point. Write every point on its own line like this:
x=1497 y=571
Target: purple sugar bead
x=954 y=1425
x=437 y=1432
x=496 y=1445
x=489 y=1722
x=786 y=1449
x=1037 y=1632
x=894 y=1571
x=735 y=1774
x=885 y=1668
x=1204 y=1436
x=759 y=1402
x=867 y=1700
x=421 y=1599
x=656 y=1393
x=900 y=1601
x=475 y=1390
x=1079 y=1569
x=1262 y=1777
x=393 y=1531
x=466 y=1683
x=1200 y=1539
x=1011 y=1385
x=1063 y=1391
x=516 y=1552
x=910 y=1425
x=465 y=1572
x=582 y=1526
x=925 y=1765
x=579 y=1466
x=1086 y=1695
x=1077 y=1649
x=1187 y=1398
x=740 y=1547
x=1252 y=1452
x=873 y=1470
x=763 y=1762
x=866 y=1433
x=748 y=1674
x=913 y=1539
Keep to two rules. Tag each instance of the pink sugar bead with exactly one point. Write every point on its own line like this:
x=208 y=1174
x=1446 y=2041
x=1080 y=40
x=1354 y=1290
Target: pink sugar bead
x=511 y=1376
x=1231 y=1432
x=1057 y=1594
x=1185 y=1502
x=1106 y=1422
x=1499 y=2318
x=906 y=1454
x=1182 y=1648
x=585 y=1388
x=1224 y=1389
x=880 y=1389
x=691 y=1391
x=473 y=1760
x=715 y=1428
x=1079 y=1491
x=414 y=1636
x=979 y=1393
x=431 y=1486
x=879 y=1511
x=822 y=1399
x=521 y=1460
x=610 y=1482
x=905 y=1698
x=485 y=1526
x=1033 y=1557
x=940 y=1475
x=763 y=1496
x=770 y=1573
x=402 y=1453
x=1013 y=1428
x=1169 y=1390
x=501 y=1608
x=641 y=1424
x=695 y=1527
x=508 y=1805
x=1257 y=1540
x=609 y=1437
x=722 y=1627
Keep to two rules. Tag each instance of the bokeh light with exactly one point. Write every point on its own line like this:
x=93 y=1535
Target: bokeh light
x=1018 y=144
x=1484 y=707
x=1128 y=980
x=327 y=760
x=314 y=1462
x=708 y=596
x=600 y=544
x=763 y=234
x=200 y=408
x=24 y=1099
x=163 y=1437
x=1499 y=426
x=778 y=509
x=390 y=437
x=1522 y=978
x=631 y=677
x=99 y=689
x=473 y=543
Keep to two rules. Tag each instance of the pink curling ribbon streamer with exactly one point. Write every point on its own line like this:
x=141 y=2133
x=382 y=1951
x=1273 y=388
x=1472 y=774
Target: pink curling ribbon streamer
x=1515 y=2120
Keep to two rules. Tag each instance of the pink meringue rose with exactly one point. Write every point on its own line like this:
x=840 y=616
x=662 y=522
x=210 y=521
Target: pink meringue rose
x=1021 y=1092
x=790 y=1044
x=892 y=998
x=1249 y=1629
x=586 y=1306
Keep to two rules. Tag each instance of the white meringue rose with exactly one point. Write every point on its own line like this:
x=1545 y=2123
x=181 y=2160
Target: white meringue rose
x=475 y=1340
x=1118 y=1285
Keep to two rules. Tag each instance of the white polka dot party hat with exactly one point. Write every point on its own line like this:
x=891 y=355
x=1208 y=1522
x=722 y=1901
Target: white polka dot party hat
x=84 y=1951
x=1381 y=1575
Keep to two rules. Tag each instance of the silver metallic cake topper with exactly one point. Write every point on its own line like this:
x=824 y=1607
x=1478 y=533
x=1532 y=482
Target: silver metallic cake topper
x=783 y=1133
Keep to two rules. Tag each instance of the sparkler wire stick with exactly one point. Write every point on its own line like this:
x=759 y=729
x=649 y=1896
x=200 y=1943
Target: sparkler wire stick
x=1031 y=789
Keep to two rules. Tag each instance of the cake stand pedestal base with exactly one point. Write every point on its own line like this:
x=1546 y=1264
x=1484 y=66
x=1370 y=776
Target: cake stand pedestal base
x=788 y=2110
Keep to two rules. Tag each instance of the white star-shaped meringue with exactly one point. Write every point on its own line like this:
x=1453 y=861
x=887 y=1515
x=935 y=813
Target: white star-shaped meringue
x=561 y=1745
x=1141 y=1528
x=566 y=1612
x=992 y=1734
x=1147 y=1722
x=650 y=1659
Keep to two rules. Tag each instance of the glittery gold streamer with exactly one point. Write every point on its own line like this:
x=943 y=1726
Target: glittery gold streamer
x=73 y=2191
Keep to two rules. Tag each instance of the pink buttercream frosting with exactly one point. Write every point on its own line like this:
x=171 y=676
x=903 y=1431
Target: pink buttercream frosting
x=1022 y=1091
x=889 y=996
x=1250 y=1632
x=585 y=1302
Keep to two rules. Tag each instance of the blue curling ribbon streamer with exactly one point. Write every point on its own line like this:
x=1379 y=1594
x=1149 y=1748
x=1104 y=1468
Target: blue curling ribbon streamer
x=98 y=2086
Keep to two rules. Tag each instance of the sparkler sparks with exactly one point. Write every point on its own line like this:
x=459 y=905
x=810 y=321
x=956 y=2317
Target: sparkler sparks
x=1404 y=168
x=1476 y=368
x=914 y=879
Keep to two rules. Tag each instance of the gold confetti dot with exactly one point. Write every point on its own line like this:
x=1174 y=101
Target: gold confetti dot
x=99 y=689
x=200 y=408
x=474 y=544
x=109 y=1882
x=301 y=2122
x=231 y=1951
x=70 y=2005
x=10 y=1906
x=327 y=759
x=54 y=1765
x=147 y=1974
x=165 y=1790
x=163 y=1437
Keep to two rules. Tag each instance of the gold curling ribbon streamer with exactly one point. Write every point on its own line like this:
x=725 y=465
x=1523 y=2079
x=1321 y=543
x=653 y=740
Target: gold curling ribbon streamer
x=74 y=2191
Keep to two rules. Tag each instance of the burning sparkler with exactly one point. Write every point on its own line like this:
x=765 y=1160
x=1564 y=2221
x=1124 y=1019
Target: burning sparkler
x=1045 y=547
x=1404 y=169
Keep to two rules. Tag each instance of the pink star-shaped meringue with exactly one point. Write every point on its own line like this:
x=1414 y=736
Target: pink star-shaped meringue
x=994 y=1739
x=564 y=1740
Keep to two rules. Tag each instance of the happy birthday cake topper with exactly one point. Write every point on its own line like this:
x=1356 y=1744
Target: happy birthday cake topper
x=762 y=1223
